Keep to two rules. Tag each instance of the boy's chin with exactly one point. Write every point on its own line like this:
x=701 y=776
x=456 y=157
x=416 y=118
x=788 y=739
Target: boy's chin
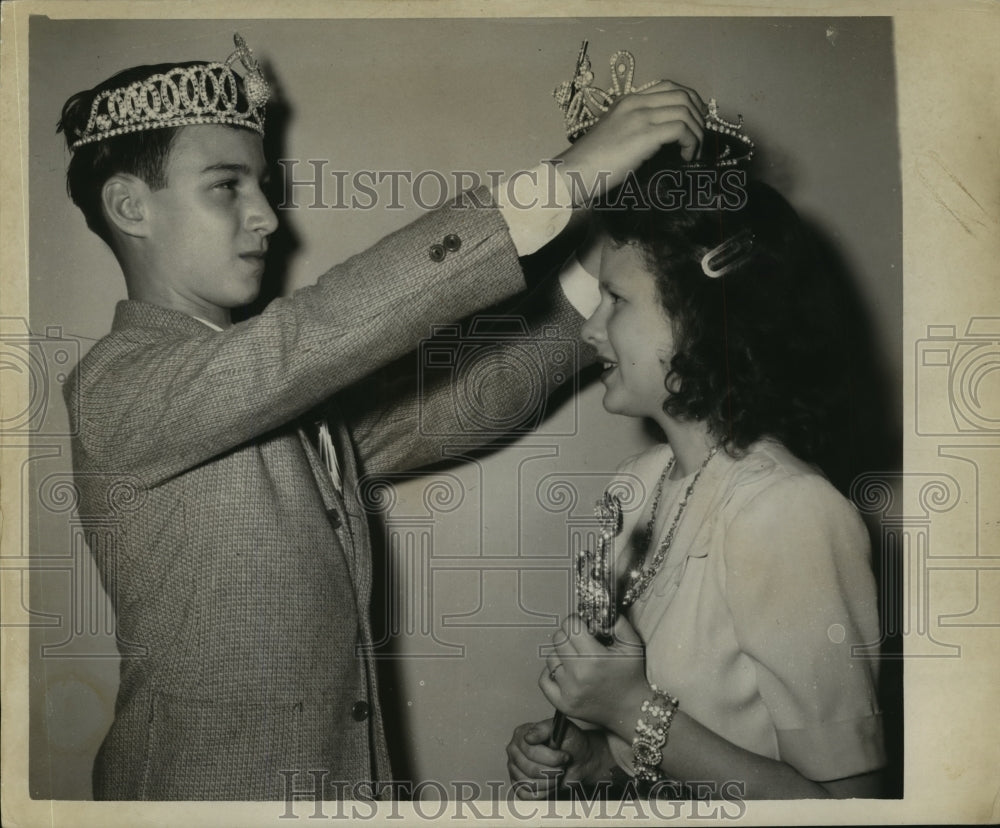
x=246 y=297
x=249 y=304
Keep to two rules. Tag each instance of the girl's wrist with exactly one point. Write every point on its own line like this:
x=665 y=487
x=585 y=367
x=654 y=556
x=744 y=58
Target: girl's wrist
x=652 y=729
x=628 y=710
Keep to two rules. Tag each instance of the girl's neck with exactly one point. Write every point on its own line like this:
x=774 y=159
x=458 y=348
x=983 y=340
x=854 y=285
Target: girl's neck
x=691 y=442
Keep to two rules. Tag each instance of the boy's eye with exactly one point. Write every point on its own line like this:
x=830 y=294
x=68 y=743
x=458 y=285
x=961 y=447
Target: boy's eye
x=228 y=184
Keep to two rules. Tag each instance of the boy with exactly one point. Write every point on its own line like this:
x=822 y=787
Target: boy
x=227 y=528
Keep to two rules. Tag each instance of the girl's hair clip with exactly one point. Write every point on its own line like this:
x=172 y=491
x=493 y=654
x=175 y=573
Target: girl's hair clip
x=732 y=253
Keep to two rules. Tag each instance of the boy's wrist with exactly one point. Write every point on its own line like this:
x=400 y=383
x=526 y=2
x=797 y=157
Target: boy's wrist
x=535 y=204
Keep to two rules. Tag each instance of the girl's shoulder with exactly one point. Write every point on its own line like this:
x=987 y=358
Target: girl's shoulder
x=767 y=462
x=767 y=477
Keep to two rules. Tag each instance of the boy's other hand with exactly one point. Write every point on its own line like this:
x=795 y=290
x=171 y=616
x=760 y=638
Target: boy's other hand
x=538 y=770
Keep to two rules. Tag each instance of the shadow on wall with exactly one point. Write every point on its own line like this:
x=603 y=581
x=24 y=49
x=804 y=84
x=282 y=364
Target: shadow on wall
x=869 y=440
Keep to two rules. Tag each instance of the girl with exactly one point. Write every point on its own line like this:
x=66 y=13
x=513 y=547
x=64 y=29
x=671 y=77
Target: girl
x=745 y=577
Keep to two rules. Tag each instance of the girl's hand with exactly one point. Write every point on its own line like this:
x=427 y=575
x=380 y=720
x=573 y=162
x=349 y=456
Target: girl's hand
x=601 y=685
x=538 y=770
x=635 y=127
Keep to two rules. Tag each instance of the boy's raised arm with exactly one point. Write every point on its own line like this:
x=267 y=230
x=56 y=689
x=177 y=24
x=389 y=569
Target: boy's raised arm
x=158 y=400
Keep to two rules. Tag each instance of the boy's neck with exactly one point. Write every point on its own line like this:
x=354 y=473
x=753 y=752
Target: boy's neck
x=154 y=293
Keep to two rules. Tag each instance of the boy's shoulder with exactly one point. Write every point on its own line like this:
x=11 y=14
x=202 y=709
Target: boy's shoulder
x=137 y=326
x=134 y=316
x=138 y=322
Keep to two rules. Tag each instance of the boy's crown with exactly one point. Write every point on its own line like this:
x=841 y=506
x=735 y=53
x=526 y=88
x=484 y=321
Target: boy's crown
x=203 y=93
x=583 y=105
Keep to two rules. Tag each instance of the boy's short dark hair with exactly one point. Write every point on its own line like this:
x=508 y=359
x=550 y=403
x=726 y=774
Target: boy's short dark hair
x=756 y=348
x=143 y=153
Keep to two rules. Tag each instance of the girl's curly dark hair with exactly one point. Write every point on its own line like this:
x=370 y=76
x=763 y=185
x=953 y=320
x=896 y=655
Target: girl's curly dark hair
x=755 y=349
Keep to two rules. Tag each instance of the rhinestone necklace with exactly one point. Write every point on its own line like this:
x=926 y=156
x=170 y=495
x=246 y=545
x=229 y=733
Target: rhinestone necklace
x=641 y=576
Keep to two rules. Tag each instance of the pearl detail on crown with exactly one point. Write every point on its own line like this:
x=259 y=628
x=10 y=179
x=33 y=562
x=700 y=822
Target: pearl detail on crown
x=583 y=104
x=183 y=96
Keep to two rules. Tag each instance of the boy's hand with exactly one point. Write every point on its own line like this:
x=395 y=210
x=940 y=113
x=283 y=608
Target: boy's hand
x=538 y=770
x=635 y=127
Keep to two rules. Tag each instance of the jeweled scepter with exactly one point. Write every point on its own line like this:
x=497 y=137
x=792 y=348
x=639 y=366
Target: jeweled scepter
x=595 y=588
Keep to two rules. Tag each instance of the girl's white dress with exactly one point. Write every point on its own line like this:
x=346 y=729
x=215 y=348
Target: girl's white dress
x=763 y=618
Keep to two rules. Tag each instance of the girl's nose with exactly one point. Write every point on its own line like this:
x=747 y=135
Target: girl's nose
x=592 y=331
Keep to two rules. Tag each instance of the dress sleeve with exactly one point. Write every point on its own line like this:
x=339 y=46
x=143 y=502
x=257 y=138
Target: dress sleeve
x=800 y=587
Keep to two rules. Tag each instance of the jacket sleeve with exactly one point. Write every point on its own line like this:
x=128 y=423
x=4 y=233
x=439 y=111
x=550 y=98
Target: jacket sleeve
x=159 y=402
x=471 y=384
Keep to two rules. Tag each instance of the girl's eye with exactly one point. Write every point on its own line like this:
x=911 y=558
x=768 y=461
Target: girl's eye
x=226 y=185
x=615 y=298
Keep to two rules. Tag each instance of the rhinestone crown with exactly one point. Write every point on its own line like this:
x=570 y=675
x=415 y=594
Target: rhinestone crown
x=206 y=93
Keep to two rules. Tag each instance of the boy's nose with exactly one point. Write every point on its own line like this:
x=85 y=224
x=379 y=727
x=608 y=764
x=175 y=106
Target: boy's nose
x=261 y=217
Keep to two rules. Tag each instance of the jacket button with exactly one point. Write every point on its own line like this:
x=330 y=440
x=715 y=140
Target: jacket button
x=452 y=242
x=360 y=711
x=334 y=517
x=437 y=252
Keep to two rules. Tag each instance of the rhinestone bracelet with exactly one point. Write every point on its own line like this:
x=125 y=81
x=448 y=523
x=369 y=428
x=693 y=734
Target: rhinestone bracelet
x=651 y=731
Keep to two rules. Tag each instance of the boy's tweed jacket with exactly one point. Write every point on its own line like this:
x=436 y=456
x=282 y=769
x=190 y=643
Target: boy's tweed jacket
x=240 y=577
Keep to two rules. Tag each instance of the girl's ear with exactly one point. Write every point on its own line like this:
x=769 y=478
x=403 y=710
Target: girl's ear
x=123 y=198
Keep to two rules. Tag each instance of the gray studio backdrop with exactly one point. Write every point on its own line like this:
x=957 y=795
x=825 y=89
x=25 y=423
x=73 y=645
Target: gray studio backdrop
x=479 y=553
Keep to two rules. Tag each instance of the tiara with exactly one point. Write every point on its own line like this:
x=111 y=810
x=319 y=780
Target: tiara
x=206 y=93
x=731 y=136
x=583 y=104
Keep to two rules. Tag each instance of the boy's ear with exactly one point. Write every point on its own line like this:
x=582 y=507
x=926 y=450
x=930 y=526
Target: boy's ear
x=123 y=198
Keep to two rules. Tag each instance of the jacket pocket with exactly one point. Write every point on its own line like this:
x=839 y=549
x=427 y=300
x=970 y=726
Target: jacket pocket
x=198 y=749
